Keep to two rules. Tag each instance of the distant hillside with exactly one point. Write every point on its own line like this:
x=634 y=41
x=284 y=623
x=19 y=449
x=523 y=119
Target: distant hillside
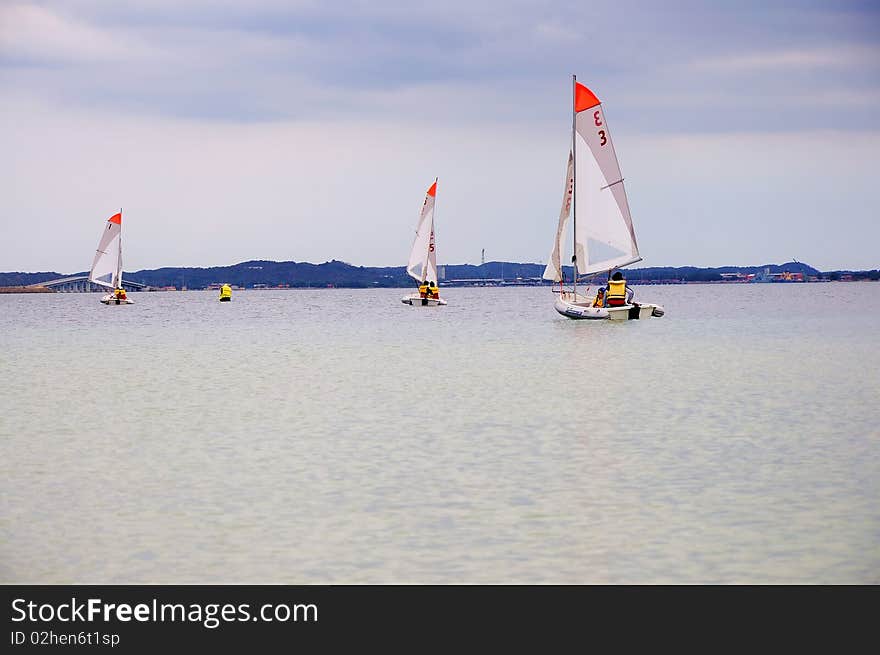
x=296 y=274
x=510 y=271
x=341 y=274
x=25 y=279
x=695 y=274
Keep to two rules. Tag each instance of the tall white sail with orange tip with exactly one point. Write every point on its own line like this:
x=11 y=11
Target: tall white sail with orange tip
x=107 y=266
x=422 y=264
x=604 y=238
x=604 y=234
x=553 y=270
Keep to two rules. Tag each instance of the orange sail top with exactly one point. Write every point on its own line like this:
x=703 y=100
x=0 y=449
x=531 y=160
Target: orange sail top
x=433 y=190
x=584 y=98
x=116 y=218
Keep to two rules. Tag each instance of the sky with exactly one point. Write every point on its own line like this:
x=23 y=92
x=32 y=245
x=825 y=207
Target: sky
x=747 y=132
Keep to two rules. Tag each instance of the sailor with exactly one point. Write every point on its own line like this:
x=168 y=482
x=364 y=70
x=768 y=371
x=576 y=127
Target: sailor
x=599 y=301
x=423 y=290
x=617 y=292
x=226 y=292
x=433 y=290
x=119 y=294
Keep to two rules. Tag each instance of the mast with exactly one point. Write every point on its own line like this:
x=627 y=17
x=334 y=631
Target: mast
x=431 y=237
x=574 y=178
x=119 y=256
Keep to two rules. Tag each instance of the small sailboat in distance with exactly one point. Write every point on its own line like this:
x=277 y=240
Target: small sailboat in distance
x=604 y=238
x=422 y=266
x=106 y=269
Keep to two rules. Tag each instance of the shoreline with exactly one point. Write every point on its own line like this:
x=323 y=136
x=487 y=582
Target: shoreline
x=36 y=289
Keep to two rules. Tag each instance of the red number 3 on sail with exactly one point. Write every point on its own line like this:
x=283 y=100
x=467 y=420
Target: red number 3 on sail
x=598 y=121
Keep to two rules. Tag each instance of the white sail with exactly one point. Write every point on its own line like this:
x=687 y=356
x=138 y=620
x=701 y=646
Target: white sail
x=107 y=266
x=604 y=237
x=553 y=271
x=422 y=264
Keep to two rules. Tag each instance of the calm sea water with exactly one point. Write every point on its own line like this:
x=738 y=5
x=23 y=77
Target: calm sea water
x=339 y=436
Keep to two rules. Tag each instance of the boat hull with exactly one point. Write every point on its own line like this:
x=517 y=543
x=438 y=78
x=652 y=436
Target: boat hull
x=582 y=310
x=225 y=299
x=577 y=311
x=417 y=301
x=109 y=299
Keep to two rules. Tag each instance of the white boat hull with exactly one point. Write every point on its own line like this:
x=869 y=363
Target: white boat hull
x=580 y=307
x=110 y=299
x=417 y=301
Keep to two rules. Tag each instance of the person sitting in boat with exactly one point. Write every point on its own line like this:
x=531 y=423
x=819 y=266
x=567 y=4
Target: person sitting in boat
x=433 y=290
x=617 y=293
x=423 y=289
x=119 y=294
x=225 y=292
x=599 y=301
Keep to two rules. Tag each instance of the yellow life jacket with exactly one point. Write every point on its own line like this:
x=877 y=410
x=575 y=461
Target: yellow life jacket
x=434 y=291
x=225 y=291
x=616 y=289
x=423 y=289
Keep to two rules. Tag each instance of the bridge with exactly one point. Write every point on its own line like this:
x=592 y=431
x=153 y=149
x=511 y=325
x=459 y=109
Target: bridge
x=81 y=284
x=496 y=282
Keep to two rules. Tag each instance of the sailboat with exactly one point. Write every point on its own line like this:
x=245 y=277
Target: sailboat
x=107 y=267
x=595 y=198
x=422 y=266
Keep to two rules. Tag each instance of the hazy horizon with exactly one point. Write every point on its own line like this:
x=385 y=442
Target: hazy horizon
x=633 y=267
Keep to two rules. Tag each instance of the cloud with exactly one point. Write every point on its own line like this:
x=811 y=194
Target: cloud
x=269 y=60
x=31 y=33
x=309 y=130
x=821 y=59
